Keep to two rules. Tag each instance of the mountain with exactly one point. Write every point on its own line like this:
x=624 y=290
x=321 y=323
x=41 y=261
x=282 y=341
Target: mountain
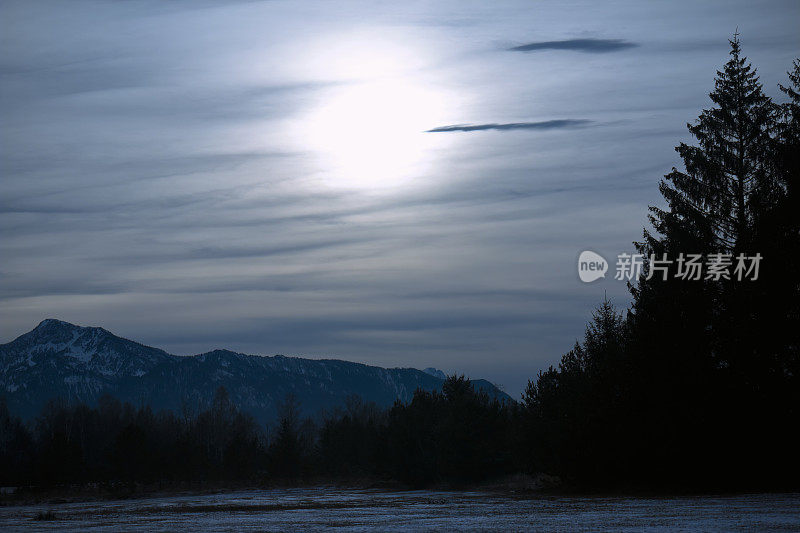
x=61 y=360
x=435 y=372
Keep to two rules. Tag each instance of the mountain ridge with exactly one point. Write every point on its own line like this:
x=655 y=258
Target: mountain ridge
x=58 y=359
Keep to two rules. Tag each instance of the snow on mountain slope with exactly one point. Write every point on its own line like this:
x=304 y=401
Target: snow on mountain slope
x=61 y=360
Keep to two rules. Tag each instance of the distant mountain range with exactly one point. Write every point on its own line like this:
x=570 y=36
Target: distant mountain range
x=61 y=360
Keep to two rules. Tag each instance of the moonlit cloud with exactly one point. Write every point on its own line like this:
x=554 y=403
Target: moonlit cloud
x=543 y=125
x=167 y=168
x=594 y=46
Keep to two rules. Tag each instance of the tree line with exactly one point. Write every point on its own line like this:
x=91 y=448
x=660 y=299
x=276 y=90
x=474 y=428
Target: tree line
x=458 y=435
x=695 y=385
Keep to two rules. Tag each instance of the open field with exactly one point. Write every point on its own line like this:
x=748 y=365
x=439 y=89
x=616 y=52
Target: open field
x=368 y=510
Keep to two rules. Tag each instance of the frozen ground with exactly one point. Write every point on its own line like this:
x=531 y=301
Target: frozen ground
x=368 y=510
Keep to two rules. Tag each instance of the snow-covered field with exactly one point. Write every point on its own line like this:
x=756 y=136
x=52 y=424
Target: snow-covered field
x=368 y=510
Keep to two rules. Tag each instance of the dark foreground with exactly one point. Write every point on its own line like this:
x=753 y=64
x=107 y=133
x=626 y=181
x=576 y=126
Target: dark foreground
x=368 y=510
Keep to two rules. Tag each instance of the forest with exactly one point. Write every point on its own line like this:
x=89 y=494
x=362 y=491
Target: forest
x=694 y=386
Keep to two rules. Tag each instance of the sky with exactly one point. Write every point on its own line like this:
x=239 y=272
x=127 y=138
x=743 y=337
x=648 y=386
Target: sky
x=394 y=183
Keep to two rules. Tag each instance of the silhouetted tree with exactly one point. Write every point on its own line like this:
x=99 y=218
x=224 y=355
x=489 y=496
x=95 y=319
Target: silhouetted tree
x=698 y=363
x=459 y=435
x=574 y=415
x=16 y=453
x=290 y=446
x=351 y=441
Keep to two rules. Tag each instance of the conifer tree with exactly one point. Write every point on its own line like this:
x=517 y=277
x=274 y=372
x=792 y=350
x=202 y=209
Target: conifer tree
x=727 y=179
x=713 y=346
x=789 y=139
x=574 y=414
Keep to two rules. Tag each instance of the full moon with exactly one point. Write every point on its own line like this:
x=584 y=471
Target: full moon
x=369 y=133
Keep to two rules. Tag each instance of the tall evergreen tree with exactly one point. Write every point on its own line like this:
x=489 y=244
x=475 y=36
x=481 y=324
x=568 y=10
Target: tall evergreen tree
x=727 y=180
x=707 y=350
x=789 y=141
x=781 y=285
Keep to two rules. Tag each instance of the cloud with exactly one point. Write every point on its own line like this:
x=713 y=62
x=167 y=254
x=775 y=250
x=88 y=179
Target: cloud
x=543 y=125
x=593 y=46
